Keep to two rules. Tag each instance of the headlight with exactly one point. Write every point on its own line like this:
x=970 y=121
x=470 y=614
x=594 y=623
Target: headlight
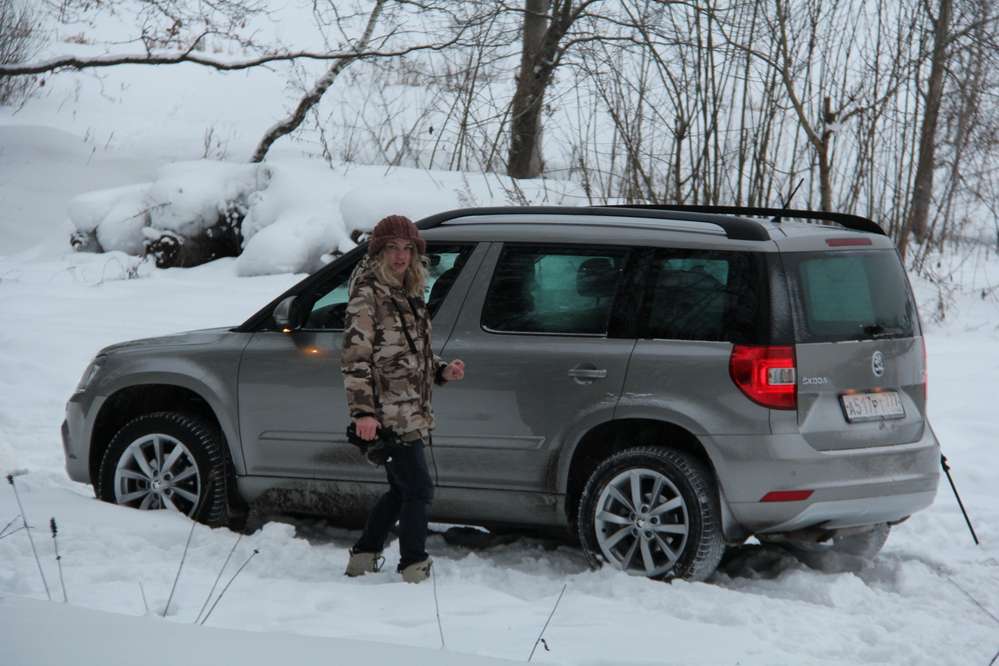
x=90 y=373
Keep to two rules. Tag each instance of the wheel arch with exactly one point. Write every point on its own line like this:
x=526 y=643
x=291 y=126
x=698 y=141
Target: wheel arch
x=607 y=438
x=161 y=394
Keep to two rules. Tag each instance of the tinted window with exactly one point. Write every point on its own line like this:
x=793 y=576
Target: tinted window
x=445 y=262
x=706 y=295
x=850 y=296
x=553 y=290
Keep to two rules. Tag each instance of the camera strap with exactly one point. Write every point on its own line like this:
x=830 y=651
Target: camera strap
x=402 y=320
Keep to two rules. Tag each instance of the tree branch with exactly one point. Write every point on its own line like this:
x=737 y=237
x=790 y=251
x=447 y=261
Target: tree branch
x=172 y=58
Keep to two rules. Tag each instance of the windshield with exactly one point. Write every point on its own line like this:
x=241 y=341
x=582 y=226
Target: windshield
x=841 y=296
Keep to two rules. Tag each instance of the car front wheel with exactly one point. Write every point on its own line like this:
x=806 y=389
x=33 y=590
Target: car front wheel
x=167 y=460
x=652 y=512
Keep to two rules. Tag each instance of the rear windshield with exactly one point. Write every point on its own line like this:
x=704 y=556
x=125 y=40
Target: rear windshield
x=842 y=296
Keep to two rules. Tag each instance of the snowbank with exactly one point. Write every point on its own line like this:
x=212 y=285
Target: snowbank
x=188 y=197
x=94 y=637
x=294 y=211
x=115 y=216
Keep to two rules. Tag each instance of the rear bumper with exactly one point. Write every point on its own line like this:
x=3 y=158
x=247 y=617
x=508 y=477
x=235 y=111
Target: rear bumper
x=852 y=487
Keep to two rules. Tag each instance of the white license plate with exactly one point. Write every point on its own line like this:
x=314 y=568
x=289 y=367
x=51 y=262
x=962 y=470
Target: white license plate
x=872 y=406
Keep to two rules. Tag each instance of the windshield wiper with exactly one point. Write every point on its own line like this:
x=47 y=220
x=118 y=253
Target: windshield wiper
x=876 y=330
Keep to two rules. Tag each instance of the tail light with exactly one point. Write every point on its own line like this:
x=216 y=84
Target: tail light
x=765 y=374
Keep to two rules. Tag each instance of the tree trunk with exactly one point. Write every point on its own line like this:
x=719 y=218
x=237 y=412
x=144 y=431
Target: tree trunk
x=525 y=159
x=926 y=162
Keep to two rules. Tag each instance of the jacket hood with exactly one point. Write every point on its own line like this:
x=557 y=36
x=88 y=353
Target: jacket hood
x=365 y=269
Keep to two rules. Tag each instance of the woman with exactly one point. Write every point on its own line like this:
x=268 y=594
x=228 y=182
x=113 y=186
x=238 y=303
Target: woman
x=388 y=371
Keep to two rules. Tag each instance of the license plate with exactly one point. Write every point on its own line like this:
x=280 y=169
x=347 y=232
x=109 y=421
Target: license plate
x=872 y=406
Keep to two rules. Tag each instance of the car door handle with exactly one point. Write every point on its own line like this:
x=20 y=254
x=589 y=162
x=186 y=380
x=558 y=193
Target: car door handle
x=588 y=373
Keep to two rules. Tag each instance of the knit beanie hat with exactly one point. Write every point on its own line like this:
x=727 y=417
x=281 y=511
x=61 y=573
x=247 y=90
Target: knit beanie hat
x=395 y=227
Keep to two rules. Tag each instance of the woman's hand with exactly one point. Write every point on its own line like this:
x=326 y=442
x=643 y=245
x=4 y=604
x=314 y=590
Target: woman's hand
x=454 y=371
x=367 y=427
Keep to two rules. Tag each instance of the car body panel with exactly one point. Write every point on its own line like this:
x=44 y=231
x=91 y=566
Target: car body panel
x=500 y=428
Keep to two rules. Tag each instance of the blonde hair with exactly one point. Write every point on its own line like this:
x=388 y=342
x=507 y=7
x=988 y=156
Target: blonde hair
x=414 y=280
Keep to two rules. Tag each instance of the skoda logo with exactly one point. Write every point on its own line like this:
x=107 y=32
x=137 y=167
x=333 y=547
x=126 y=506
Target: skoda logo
x=878 y=364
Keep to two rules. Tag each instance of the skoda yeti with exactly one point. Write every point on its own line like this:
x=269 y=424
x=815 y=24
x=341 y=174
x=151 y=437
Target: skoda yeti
x=656 y=381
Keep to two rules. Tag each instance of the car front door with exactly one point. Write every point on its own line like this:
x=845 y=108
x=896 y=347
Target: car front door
x=534 y=337
x=292 y=404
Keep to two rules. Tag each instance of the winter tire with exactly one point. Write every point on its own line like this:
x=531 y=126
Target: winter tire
x=167 y=460
x=652 y=512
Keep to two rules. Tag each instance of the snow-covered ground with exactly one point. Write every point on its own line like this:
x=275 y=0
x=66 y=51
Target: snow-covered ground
x=907 y=607
x=917 y=603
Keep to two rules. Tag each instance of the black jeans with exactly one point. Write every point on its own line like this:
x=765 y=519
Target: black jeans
x=411 y=490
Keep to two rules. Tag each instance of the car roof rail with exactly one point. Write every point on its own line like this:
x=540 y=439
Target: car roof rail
x=734 y=228
x=854 y=222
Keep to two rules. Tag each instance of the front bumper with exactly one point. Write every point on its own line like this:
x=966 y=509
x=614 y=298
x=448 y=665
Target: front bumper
x=76 y=438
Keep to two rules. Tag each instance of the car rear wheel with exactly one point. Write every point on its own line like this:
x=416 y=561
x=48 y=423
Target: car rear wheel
x=652 y=512
x=167 y=460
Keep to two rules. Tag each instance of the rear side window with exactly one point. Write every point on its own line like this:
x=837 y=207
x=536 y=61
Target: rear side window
x=706 y=295
x=841 y=296
x=553 y=290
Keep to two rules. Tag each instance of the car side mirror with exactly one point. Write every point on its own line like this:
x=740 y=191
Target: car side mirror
x=284 y=315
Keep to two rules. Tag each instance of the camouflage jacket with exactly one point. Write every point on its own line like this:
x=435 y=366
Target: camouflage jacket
x=383 y=376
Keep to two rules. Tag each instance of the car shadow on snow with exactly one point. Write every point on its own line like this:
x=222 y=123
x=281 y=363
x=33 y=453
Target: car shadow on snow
x=519 y=550
x=531 y=552
x=771 y=561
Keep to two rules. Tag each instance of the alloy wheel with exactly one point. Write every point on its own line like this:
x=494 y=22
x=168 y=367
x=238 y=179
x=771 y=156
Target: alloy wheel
x=641 y=522
x=157 y=471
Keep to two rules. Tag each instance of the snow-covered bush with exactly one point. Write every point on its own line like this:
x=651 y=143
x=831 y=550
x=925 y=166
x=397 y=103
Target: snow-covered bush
x=278 y=217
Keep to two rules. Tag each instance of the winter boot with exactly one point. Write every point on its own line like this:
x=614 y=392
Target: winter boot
x=362 y=563
x=417 y=572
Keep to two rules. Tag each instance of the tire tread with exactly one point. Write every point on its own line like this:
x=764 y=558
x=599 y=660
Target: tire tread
x=203 y=435
x=711 y=545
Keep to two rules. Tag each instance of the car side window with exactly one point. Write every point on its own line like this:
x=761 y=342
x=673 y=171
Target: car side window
x=567 y=290
x=444 y=264
x=328 y=311
x=704 y=295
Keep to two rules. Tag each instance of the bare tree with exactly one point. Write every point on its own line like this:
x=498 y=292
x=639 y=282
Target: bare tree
x=923 y=186
x=19 y=41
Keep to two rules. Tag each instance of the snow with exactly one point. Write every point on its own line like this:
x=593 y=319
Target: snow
x=140 y=636
x=188 y=197
x=761 y=608
x=296 y=211
x=95 y=148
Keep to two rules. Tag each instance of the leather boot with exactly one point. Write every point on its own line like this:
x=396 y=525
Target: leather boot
x=417 y=572
x=362 y=563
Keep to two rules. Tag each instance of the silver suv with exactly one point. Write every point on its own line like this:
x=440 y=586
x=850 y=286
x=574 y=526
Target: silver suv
x=659 y=382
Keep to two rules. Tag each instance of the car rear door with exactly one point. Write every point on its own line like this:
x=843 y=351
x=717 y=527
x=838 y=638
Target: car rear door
x=534 y=337
x=697 y=304
x=859 y=349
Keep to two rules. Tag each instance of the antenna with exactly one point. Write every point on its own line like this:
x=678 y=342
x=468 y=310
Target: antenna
x=785 y=204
